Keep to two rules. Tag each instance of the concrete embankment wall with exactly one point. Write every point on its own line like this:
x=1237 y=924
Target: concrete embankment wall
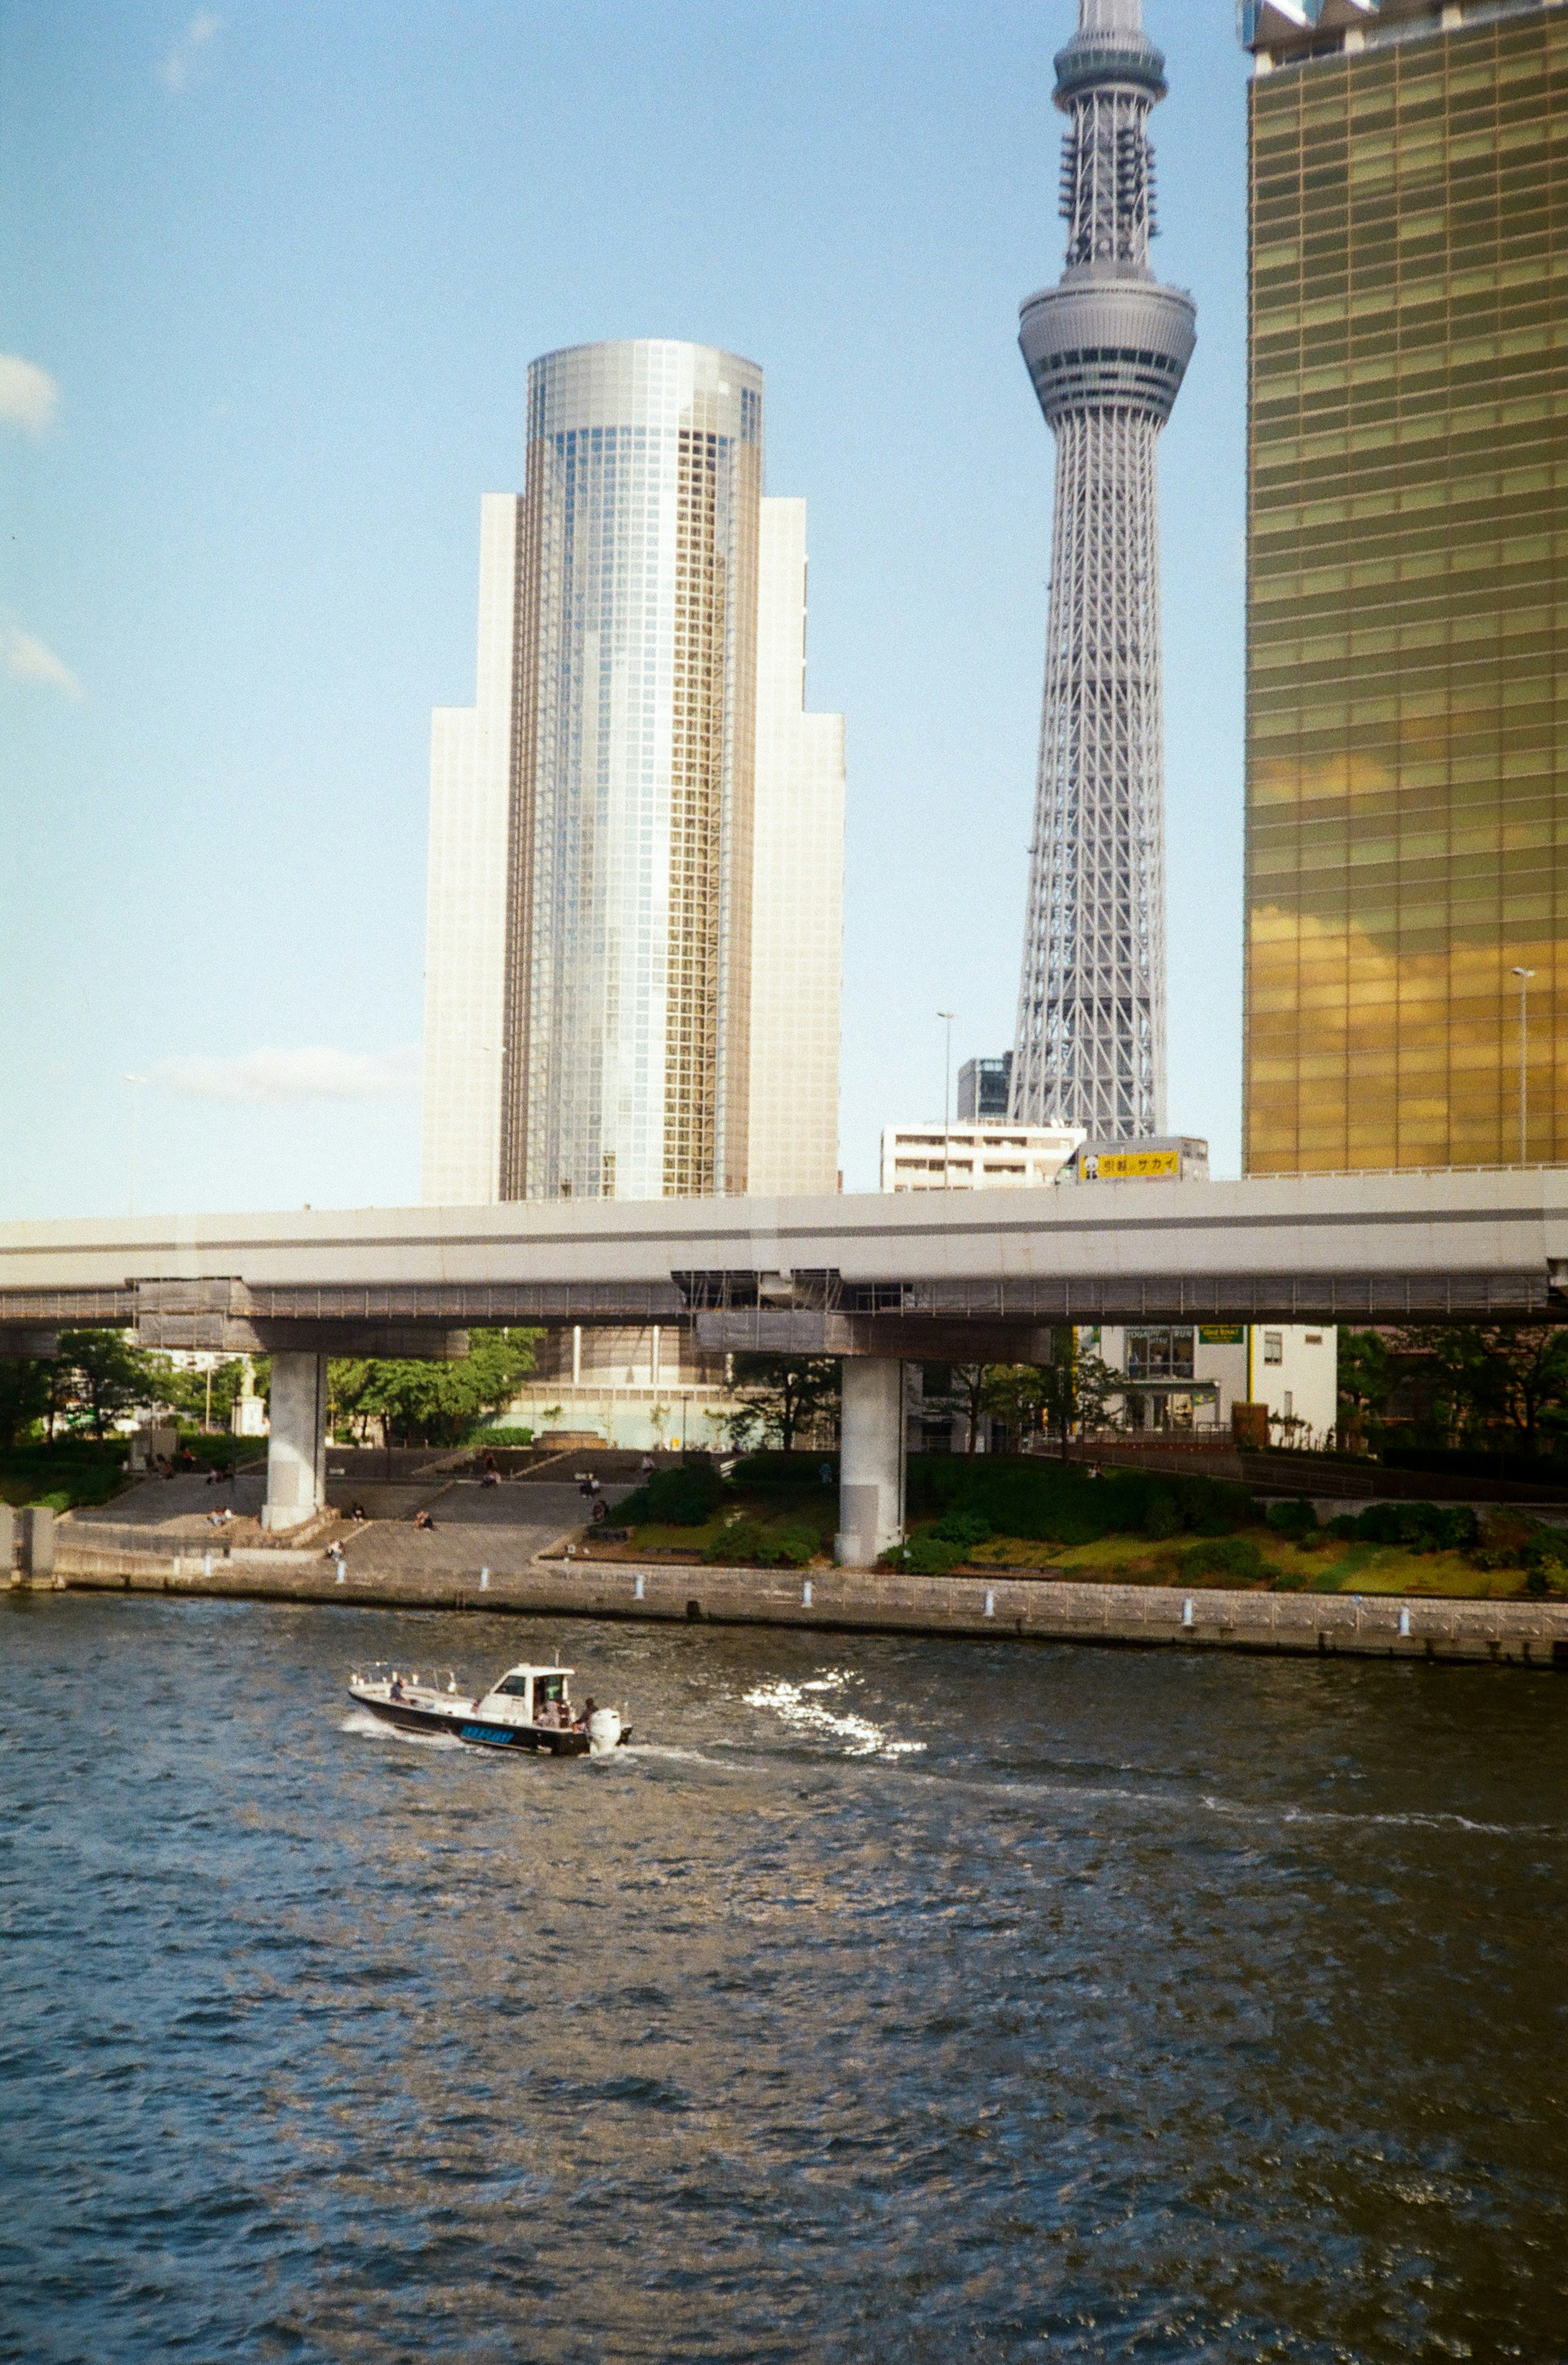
x=1515 y=1633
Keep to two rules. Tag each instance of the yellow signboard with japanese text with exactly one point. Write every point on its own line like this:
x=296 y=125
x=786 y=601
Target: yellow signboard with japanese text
x=1130 y=1165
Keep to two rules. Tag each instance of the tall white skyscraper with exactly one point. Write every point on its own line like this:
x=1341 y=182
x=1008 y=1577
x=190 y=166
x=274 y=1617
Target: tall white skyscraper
x=1108 y=349
x=636 y=831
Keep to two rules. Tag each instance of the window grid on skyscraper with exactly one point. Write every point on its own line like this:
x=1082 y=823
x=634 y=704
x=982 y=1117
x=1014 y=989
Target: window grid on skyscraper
x=1408 y=711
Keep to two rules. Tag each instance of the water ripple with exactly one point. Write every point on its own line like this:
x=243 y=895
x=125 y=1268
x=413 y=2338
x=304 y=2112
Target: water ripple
x=882 y=2003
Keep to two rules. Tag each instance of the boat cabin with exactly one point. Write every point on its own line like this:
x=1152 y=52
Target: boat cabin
x=529 y=1696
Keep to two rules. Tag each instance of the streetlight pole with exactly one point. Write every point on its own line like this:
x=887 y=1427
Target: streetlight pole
x=136 y=1083
x=1524 y=976
x=947 y=1017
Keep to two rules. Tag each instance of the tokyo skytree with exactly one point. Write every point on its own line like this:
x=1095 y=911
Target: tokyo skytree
x=1108 y=349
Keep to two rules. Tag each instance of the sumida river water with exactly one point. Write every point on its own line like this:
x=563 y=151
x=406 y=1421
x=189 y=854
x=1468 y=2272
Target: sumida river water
x=890 y=1999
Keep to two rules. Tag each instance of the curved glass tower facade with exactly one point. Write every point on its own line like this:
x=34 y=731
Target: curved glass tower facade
x=627 y=1030
x=635 y=858
x=1108 y=349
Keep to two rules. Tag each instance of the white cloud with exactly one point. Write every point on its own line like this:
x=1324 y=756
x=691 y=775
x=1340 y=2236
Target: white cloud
x=316 y=1073
x=29 y=659
x=28 y=395
x=180 y=63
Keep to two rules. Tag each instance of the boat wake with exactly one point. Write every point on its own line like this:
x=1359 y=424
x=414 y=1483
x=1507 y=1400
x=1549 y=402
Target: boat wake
x=794 y=1708
x=371 y=1728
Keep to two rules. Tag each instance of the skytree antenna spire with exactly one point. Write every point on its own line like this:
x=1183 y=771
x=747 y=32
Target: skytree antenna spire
x=1108 y=349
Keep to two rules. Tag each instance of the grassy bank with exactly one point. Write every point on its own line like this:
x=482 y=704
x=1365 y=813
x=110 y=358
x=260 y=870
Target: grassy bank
x=1125 y=1527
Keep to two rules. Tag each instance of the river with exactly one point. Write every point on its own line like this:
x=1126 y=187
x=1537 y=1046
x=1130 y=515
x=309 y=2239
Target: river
x=889 y=2000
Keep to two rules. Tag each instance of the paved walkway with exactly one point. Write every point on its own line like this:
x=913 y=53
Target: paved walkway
x=178 y=1508
x=499 y=1527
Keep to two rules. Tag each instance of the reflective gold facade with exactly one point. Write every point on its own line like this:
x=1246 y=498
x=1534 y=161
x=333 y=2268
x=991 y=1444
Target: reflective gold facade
x=1407 y=689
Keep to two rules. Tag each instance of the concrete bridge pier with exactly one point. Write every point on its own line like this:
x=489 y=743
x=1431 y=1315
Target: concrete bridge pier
x=296 y=1452
x=871 y=1463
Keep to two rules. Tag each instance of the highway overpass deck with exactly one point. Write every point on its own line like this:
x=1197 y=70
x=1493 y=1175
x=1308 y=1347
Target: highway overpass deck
x=874 y=1274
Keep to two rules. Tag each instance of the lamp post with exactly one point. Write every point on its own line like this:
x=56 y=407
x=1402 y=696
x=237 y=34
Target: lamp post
x=947 y=1017
x=1524 y=976
x=136 y=1083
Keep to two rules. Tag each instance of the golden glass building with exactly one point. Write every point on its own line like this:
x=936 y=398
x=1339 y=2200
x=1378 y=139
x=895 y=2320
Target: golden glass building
x=1408 y=624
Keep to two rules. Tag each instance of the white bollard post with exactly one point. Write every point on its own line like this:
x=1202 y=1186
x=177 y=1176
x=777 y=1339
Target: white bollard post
x=990 y=1605
x=640 y=1589
x=484 y=1580
x=806 y=1594
x=206 y=1563
x=1405 y=1621
x=1186 y=1613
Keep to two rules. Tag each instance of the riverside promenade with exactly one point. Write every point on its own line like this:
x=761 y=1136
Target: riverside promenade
x=483 y=1562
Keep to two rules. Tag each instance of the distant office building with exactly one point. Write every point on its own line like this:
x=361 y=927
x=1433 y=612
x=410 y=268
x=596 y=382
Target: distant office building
x=985 y=1089
x=1108 y=349
x=1407 y=734
x=995 y=1157
x=636 y=831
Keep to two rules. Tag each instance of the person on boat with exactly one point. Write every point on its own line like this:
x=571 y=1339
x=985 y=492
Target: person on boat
x=395 y=1691
x=583 y=1721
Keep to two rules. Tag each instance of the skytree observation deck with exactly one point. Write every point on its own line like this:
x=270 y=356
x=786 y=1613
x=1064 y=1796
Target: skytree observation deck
x=1108 y=349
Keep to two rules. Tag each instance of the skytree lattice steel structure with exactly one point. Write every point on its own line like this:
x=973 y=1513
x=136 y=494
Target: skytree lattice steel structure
x=1108 y=349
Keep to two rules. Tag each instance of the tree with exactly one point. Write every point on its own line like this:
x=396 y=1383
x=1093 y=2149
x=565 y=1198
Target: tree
x=428 y=1402
x=1496 y=1375
x=1018 y=1394
x=188 y=1389
x=965 y=1392
x=782 y=1395
x=100 y=1372
x=1366 y=1377
x=26 y=1395
x=1095 y=1385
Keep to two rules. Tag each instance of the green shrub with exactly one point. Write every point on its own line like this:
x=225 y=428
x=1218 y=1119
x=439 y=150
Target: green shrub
x=1419 y=1526
x=217 y=1452
x=787 y=1470
x=796 y=1547
x=927 y=1556
x=501 y=1437
x=687 y=1497
x=1042 y=1501
x=1292 y=1517
x=1161 y=1518
x=749 y=1546
x=965 y=1529
x=1223 y=1559
x=1546 y=1560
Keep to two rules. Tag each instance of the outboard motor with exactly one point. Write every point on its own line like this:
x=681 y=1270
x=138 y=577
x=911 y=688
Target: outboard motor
x=603 y=1732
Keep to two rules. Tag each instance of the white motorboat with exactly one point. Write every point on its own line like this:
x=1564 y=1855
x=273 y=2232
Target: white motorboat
x=528 y=1708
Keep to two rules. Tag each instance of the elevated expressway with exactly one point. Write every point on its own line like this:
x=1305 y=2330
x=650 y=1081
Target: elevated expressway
x=878 y=1280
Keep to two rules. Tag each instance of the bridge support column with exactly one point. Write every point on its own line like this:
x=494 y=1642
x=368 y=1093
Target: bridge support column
x=870 y=1492
x=297 y=1454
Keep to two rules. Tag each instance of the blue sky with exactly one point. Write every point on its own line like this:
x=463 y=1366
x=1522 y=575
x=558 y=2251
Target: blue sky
x=276 y=272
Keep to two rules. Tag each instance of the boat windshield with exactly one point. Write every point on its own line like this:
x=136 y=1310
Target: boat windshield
x=516 y=1684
